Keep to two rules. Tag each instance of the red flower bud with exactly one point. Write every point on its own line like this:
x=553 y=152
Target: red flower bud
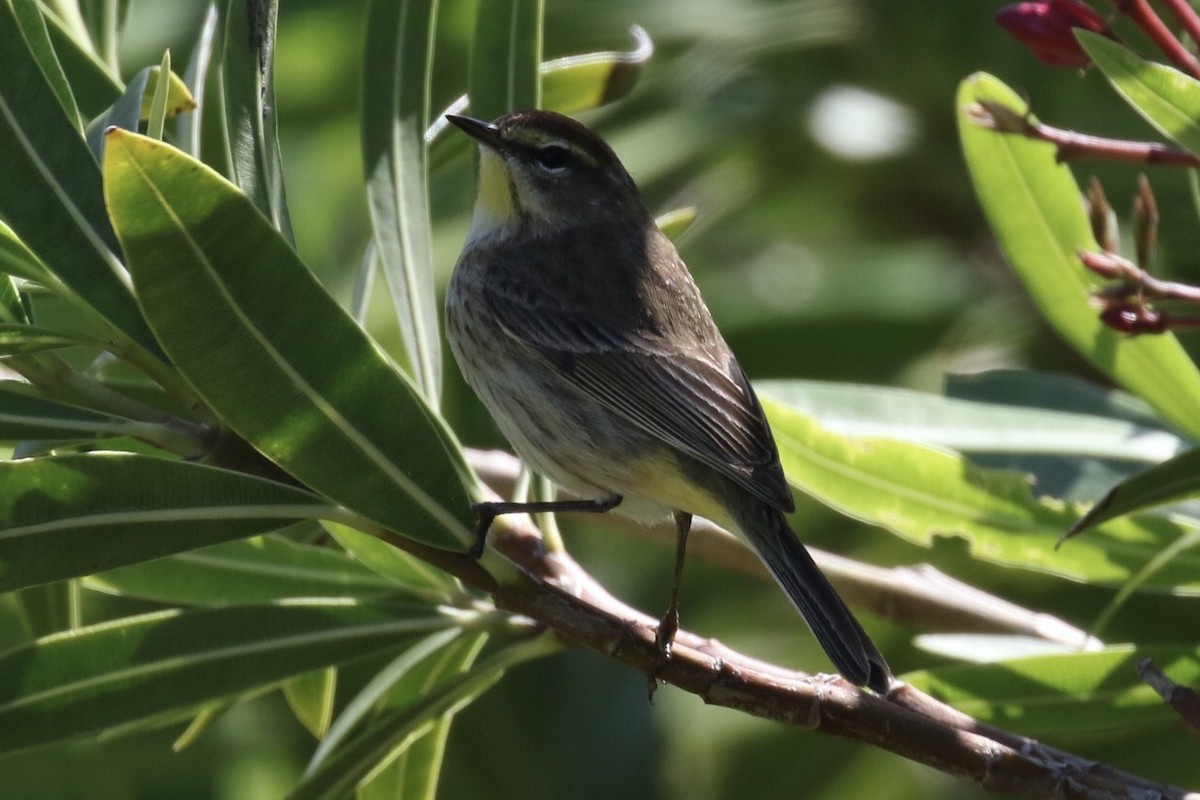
x=1045 y=28
x=1133 y=319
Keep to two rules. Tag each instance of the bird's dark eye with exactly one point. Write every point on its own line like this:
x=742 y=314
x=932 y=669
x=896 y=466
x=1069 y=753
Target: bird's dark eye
x=553 y=156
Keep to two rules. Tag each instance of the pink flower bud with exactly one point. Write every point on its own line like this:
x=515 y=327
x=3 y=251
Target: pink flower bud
x=1045 y=27
x=1133 y=318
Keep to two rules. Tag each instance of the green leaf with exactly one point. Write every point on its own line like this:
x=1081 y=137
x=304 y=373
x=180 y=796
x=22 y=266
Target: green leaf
x=393 y=732
x=125 y=113
x=1167 y=98
x=242 y=572
x=1064 y=696
x=925 y=494
x=413 y=773
x=1053 y=392
x=95 y=87
x=310 y=697
x=590 y=80
x=65 y=516
x=12 y=306
x=26 y=415
x=1034 y=208
x=402 y=570
x=18 y=260
x=397 y=73
x=195 y=78
x=1170 y=482
x=363 y=705
x=51 y=194
x=17 y=339
x=33 y=25
x=861 y=410
x=569 y=84
x=248 y=83
x=297 y=379
x=506 y=52
x=110 y=675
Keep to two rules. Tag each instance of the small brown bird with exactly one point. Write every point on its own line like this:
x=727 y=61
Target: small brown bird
x=576 y=322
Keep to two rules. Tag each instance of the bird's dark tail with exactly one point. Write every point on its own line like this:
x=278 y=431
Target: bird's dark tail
x=844 y=640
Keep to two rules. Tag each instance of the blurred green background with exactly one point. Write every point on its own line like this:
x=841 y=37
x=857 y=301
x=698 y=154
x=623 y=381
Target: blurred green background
x=838 y=238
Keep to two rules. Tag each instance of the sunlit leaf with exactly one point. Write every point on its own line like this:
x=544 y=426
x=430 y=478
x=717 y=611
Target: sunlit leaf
x=324 y=402
x=1063 y=696
x=577 y=83
x=51 y=194
x=1033 y=205
x=310 y=696
x=1167 y=98
x=925 y=494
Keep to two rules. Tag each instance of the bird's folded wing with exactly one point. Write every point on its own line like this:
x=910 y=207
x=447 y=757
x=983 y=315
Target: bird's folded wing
x=687 y=399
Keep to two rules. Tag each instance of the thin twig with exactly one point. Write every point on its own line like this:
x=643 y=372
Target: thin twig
x=1142 y=15
x=1186 y=16
x=1073 y=146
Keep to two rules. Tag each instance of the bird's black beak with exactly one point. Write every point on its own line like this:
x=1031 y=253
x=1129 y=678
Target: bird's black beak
x=487 y=133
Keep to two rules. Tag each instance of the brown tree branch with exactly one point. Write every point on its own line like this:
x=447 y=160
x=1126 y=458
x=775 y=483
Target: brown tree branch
x=557 y=593
x=917 y=596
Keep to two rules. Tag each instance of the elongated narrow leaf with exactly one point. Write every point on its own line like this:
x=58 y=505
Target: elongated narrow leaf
x=248 y=81
x=33 y=25
x=65 y=516
x=1174 y=481
x=18 y=260
x=394 y=731
x=589 y=80
x=506 y=53
x=18 y=339
x=396 y=83
x=1168 y=99
x=108 y=676
x=272 y=353
x=125 y=113
x=195 y=77
x=569 y=85
x=860 y=410
x=310 y=697
x=26 y=415
x=51 y=193
x=1057 y=696
x=924 y=494
x=406 y=572
x=94 y=85
x=1033 y=205
x=12 y=308
x=247 y=571
x=363 y=705
x=413 y=773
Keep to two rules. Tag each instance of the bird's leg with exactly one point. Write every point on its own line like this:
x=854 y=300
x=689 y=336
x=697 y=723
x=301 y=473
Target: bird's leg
x=486 y=513
x=669 y=625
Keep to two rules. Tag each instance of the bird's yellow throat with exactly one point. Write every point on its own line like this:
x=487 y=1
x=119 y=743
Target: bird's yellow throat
x=495 y=207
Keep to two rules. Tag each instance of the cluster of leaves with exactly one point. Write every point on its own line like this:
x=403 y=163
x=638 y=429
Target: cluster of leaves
x=178 y=379
x=195 y=423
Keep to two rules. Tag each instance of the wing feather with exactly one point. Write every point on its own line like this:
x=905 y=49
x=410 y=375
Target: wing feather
x=693 y=396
